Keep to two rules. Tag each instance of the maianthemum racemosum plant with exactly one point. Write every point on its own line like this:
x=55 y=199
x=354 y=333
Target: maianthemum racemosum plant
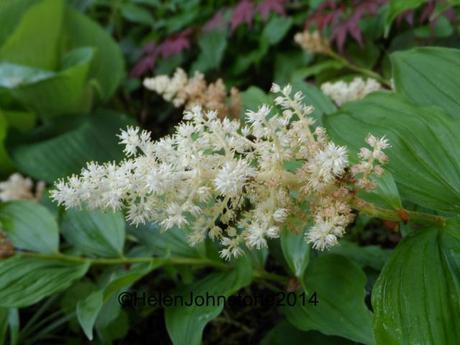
x=218 y=179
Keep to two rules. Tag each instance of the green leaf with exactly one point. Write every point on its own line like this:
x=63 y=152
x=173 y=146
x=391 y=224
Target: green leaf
x=318 y=68
x=38 y=31
x=425 y=152
x=429 y=76
x=107 y=68
x=23 y=121
x=3 y=325
x=416 y=298
x=276 y=29
x=165 y=243
x=13 y=76
x=90 y=308
x=365 y=256
x=87 y=311
x=11 y=13
x=27 y=280
x=284 y=333
x=94 y=139
x=30 y=226
x=51 y=94
x=341 y=311
x=9 y=320
x=136 y=14
x=185 y=325
x=314 y=97
x=252 y=99
x=397 y=7
x=6 y=165
x=95 y=233
x=296 y=252
x=212 y=47
x=386 y=193
x=288 y=64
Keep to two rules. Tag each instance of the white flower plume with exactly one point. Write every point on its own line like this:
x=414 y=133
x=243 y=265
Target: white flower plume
x=227 y=182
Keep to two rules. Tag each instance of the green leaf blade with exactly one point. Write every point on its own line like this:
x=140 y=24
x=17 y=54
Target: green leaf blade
x=30 y=226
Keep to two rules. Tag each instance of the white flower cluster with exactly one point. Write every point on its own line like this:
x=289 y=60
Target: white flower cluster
x=215 y=178
x=188 y=92
x=342 y=92
x=18 y=187
x=312 y=42
x=371 y=162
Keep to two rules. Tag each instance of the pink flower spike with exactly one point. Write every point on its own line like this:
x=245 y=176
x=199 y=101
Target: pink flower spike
x=175 y=44
x=216 y=22
x=242 y=13
x=268 y=6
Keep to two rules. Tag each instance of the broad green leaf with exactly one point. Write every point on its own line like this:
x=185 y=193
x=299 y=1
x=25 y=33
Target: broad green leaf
x=296 y=251
x=339 y=284
x=365 y=256
x=13 y=76
x=94 y=139
x=258 y=257
x=397 y=7
x=35 y=40
x=107 y=67
x=9 y=119
x=439 y=28
x=276 y=29
x=137 y=14
x=318 y=68
x=416 y=298
x=53 y=94
x=165 y=243
x=30 y=226
x=11 y=13
x=6 y=165
x=118 y=328
x=9 y=325
x=185 y=325
x=3 y=325
x=425 y=152
x=314 y=97
x=284 y=333
x=95 y=233
x=87 y=311
x=212 y=47
x=386 y=193
x=23 y=121
x=252 y=99
x=288 y=64
x=429 y=76
x=27 y=280
x=90 y=308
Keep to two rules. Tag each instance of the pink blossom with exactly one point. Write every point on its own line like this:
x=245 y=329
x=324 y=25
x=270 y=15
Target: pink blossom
x=242 y=13
x=268 y=6
x=216 y=22
x=175 y=44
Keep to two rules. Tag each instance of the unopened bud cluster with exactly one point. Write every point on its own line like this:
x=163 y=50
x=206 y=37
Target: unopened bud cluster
x=18 y=187
x=182 y=91
x=312 y=42
x=219 y=179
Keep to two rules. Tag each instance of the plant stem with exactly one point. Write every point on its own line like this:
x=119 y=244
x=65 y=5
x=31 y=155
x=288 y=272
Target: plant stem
x=398 y=214
x=362 y=70
x=125 y=260
x=258 y=274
